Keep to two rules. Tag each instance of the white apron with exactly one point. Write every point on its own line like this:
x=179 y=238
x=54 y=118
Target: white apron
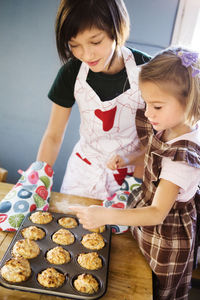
x=106 y=128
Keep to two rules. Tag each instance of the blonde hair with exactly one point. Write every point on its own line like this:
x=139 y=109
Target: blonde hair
x=167 y=71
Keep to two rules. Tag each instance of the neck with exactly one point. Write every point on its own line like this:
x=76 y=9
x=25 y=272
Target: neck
x=117 y=62
x=170 y=134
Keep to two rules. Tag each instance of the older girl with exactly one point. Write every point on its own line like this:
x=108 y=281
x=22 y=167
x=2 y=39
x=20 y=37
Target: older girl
x=100 y=74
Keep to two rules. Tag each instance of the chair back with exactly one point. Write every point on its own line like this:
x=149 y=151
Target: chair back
x=3 y=175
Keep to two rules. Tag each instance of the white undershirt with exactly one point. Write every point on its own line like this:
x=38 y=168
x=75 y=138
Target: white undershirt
x=180 y=173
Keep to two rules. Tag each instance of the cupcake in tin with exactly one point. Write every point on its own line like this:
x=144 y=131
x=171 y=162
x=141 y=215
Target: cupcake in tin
x=68 y=222
x=16 y=269
x=99 y=229
x=51 y=278
x=41 y=217
x=93 y=241
x=90 y=261
x=63 y=237
x=26 y=248
x=33 y=233
x=86 y=283
x=58 y=256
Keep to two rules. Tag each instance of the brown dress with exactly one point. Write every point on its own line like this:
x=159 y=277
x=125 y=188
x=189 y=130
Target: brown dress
x=167 y=247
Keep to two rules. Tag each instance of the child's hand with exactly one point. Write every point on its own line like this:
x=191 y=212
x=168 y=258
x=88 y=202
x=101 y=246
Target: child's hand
x=116 y=162
x=90 y=216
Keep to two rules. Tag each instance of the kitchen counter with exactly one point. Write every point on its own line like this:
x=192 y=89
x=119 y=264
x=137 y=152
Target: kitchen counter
x=129 y=277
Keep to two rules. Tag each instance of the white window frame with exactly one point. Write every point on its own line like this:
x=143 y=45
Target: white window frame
x=186 y=20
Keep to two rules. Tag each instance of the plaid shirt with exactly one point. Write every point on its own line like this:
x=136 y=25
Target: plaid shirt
x=168 y=247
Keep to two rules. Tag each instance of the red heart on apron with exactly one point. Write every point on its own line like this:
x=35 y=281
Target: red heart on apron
x=107 y=117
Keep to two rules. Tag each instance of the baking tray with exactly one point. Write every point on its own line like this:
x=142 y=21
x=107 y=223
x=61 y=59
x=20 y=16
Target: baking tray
x=71 y=269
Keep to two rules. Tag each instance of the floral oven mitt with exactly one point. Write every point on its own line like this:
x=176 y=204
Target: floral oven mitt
x=120 y=198
x=31 y=192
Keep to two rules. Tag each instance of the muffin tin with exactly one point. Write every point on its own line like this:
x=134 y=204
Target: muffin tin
x=71 y=269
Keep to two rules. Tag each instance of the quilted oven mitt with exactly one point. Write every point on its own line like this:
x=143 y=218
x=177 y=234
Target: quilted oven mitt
x=120 y=198
x=31 y=192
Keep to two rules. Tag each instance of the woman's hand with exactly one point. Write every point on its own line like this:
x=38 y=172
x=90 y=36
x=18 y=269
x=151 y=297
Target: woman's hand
x=90 y=216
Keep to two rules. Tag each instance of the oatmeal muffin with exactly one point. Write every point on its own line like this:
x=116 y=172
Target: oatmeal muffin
x=90 y=261
x=33 y=233
x=63 y=237
x=68 y=222
x=93 y=241
x=41 y=217
x=58 y=256
x=86 y=283
x=26 y=248
x=16 y=269
x=51 y=278
x=99 y=229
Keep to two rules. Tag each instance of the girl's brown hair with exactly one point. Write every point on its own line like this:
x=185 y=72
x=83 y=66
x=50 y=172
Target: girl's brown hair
x=167 y=71
x=74 y=16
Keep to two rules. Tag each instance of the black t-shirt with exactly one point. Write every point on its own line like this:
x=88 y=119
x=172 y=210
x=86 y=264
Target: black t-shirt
x=106 y=86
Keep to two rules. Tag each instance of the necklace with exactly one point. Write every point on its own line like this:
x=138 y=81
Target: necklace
x=125 y=83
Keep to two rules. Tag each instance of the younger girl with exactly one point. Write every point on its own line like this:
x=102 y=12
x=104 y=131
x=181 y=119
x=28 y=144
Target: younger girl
x=162 y=212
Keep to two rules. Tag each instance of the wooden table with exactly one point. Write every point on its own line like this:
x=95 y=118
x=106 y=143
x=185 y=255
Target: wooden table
x=129 y=278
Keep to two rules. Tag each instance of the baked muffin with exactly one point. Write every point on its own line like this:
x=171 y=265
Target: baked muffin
x=33 y=233
x=51 y=278
x=68 y=222
x=26 y=248
x=58 y=256
x=90 y=261
x=63 y=237
x=93 y=241
x=41 y=217
x=86 y=283
x=99 y=229
x=16 y=269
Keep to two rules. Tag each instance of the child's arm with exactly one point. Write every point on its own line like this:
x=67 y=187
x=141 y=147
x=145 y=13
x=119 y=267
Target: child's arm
x=95 y=216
